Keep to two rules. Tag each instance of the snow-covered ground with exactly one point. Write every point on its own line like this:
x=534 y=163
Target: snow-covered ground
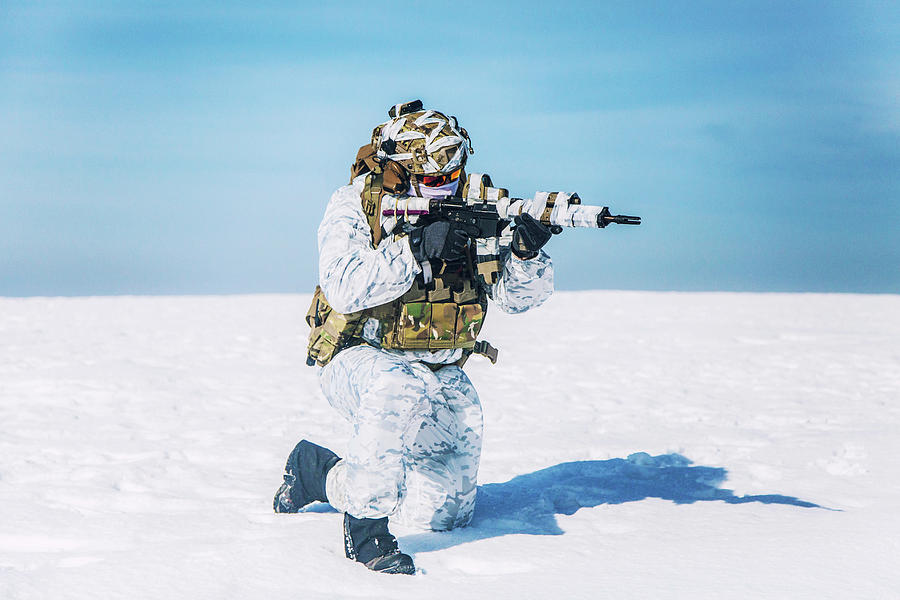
x=638 y=445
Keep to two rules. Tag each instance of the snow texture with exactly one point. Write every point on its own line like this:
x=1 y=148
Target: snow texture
x=637 y=445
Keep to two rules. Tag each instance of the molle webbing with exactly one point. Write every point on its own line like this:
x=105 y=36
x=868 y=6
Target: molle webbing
x=446 y=314
x=416 y=321
x=433 y=326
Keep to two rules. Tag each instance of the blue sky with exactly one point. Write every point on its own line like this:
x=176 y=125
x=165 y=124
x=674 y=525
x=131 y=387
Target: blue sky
x=188 y=148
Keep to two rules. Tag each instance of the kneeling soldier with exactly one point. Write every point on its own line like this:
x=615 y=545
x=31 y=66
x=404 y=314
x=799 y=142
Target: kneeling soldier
x=397 y=313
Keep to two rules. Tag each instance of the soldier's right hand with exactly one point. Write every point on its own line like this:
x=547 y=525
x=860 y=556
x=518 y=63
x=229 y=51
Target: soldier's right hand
x=441 y=240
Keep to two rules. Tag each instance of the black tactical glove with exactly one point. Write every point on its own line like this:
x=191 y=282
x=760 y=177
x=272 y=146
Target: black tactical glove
x=529 y=236
x=440 y=240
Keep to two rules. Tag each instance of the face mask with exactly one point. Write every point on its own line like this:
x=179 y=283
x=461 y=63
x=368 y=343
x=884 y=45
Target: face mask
x=448 y=189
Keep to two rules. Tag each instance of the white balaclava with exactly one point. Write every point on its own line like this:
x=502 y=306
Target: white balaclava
x=442 y=191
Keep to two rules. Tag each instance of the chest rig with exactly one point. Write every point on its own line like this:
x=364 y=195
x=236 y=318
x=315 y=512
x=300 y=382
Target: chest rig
x=446 y=313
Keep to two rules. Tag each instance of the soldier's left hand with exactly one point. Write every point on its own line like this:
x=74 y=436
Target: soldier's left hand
x=529 y=236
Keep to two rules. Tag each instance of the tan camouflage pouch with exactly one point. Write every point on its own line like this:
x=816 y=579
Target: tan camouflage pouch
x=434 y=326
x=331 y=331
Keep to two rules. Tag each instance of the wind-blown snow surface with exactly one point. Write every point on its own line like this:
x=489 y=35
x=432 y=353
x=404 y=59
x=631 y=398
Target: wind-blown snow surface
x=141 y=440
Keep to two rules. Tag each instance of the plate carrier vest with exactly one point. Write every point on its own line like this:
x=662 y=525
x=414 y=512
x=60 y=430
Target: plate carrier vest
x=445 y=314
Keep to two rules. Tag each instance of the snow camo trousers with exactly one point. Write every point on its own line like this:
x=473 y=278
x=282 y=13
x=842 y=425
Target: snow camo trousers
x=416 y=440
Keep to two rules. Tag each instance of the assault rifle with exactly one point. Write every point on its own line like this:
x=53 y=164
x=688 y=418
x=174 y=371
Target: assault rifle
x=488 y=212
x=485 y=220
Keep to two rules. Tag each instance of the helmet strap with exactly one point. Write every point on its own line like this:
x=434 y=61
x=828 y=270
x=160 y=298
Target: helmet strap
x=414 y=180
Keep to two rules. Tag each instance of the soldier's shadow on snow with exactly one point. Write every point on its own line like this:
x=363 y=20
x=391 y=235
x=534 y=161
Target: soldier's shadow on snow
x=529 y=503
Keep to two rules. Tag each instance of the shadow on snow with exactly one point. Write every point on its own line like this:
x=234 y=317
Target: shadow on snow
x=528 y=504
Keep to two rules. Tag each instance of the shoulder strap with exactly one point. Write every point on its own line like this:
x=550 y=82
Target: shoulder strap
x=371 y=202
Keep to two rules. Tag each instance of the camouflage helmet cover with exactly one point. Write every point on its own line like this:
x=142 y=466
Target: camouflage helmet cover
x=422 y=141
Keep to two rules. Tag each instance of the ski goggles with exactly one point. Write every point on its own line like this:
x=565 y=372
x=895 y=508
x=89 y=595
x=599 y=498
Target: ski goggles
x=442 y=179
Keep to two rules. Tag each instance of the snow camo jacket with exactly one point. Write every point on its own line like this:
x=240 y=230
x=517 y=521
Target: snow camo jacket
x=355 y=276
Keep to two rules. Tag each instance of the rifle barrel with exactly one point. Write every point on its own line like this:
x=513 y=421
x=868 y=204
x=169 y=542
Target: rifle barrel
x=622 y=219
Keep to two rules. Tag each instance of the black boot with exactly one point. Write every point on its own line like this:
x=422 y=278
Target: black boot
x=304 y=477
x=368 y=541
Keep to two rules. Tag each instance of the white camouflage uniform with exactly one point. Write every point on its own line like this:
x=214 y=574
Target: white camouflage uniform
x=417 y=433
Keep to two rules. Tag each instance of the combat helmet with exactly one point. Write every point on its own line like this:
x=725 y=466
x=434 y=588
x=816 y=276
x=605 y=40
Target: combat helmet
x=422 y=141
